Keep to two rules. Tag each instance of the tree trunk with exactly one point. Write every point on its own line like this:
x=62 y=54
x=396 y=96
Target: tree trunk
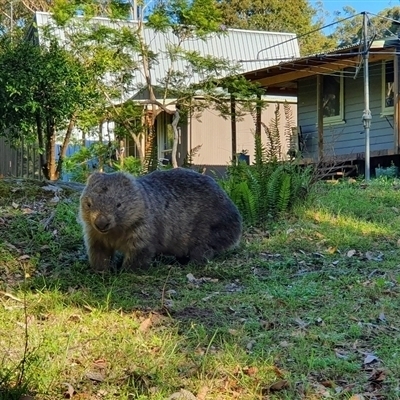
x=51 y=150
x=151 y=157
x=175 y=122
x=139 y=145
x=65 y=144
x=121 y=152
x=39 y=129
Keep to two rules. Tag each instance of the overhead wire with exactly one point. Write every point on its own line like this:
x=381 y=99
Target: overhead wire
x=335 y=58
x=305 y=34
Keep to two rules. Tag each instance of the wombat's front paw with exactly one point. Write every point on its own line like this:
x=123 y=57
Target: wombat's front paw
x=136 y=262
x=100 y=263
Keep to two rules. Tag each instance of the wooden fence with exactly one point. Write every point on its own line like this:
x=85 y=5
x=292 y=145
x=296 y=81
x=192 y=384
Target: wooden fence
x=21 y=162
x=24 y=161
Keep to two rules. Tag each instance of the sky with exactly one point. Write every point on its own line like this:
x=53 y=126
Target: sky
x=372 y=6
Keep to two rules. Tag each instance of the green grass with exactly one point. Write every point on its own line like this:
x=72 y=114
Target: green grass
x=300 y=306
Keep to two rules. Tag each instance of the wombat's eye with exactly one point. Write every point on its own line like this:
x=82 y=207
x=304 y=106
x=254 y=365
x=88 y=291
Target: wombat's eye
x=88 y=204
x=119 y=205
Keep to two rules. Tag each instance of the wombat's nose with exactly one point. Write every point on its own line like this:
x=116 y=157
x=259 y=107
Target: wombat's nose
x=102 y=223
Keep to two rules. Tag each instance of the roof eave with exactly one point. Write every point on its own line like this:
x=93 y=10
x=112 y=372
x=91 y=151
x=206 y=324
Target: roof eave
x=279 y=76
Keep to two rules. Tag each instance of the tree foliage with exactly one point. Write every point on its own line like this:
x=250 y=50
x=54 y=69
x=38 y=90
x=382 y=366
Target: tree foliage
x=271 y=186
x=380 y=26
x=42 y=90
x=122 y=57
x=277 y=16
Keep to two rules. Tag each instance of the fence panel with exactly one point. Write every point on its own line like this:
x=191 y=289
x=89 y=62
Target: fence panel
x=20 y=162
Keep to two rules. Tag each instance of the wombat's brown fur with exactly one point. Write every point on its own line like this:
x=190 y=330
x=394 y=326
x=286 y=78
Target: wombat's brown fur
x=177 y=212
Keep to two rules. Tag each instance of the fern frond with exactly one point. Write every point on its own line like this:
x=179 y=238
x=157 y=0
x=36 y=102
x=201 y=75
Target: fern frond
x=284 y=193
x=273 y=188
x=289 y=124
x=245 y=200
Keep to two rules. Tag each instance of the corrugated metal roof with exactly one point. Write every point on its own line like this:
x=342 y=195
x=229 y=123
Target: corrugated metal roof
x=236 y=46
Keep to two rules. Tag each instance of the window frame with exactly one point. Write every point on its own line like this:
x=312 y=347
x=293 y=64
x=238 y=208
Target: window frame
x=385 y=110
x=164 y=127
x=337 y=119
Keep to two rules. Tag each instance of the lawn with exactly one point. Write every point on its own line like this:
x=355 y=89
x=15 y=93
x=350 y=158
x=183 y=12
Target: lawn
x=307 y=308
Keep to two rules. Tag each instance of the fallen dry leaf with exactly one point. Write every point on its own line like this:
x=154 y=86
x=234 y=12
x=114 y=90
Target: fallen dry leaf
x=95 y=376
x=278 y=372
x=331 y=250
x=302 y=324
x=370 y=358
x=250 y=371
x=357 y=397
x=351 y=253
x=382 y=317
x=51 y=188
x=341 y=354
x=202 y=393
x=321 y=390
x=145 y=325
x=196 y=281
x=69 y=393
x=75 y=318
x=328 y=384
x=183 y=394
x=168 y=303
x=378 y=375
x=10 y=296
x=210 y=296
x=100 y=364
x=12 y=247
x=369 y=256
x=279 y=385
x=250 y=345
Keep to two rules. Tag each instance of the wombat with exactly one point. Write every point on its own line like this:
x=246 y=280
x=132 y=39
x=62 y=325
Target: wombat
x=178 y=212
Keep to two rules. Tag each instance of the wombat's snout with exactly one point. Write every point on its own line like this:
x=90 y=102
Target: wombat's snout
x=102 y=223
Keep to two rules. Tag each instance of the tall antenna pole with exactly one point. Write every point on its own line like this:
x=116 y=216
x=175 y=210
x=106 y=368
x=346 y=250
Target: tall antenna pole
x=367 y=112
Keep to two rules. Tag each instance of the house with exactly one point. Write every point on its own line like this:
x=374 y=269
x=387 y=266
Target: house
x=208 y=139
x=330 y=103
x=209 y=135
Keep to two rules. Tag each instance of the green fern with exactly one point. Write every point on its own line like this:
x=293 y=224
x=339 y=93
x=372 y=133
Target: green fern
x=274 y=147
x=273 y=189
x=255 y=185
x=270 y=187
x=289 y=125
x=284 y=193
x=260 y=152
x=246 y=202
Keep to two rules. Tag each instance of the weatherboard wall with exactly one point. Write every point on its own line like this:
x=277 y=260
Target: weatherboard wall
x=214 y=134
x=347 y=137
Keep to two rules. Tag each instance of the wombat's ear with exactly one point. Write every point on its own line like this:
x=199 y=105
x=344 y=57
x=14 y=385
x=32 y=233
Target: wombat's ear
x=95 y=177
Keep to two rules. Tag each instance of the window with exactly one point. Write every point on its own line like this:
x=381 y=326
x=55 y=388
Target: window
x=387 y=87
x=332 y=99
x=167 y=141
